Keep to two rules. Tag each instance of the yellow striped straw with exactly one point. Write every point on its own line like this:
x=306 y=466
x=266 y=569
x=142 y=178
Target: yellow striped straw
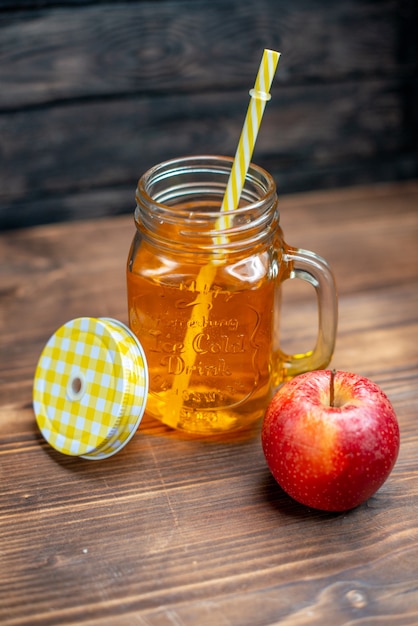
x=259 y=97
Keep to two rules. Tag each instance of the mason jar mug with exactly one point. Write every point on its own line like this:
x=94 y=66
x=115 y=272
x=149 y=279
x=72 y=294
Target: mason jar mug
x=204 y=295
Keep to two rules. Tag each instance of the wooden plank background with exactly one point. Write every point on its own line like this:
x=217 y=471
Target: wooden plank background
x=94 y=93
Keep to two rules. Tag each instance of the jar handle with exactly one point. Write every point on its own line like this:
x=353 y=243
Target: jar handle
x=313 y=269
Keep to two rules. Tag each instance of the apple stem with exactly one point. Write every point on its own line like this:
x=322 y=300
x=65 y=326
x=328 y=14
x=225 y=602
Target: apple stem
x=331 y=388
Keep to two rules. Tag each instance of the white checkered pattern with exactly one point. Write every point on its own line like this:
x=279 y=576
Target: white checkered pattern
x=90 y=387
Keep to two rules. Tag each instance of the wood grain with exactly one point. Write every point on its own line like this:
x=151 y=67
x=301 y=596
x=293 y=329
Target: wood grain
x=101 y=50
x=185 y=531
x=94 y=93
x=103 y=146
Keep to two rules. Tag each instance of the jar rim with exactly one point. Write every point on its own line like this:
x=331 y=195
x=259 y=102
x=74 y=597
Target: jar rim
x=257 y=180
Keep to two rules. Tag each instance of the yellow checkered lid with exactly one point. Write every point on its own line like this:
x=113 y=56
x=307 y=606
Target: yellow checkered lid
x=90 y=387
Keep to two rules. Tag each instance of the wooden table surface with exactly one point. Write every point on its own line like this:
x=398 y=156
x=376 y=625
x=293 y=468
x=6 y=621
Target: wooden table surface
x=179 y=532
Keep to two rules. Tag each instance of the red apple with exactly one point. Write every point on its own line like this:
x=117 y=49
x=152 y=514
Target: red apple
x=330 y=439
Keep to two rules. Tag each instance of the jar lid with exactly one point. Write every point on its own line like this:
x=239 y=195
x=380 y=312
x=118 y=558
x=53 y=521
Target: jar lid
x=90 y=387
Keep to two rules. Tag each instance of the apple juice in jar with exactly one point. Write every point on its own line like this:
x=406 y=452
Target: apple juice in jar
x=205 y=334
x=228 y=380
x=204 y=294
